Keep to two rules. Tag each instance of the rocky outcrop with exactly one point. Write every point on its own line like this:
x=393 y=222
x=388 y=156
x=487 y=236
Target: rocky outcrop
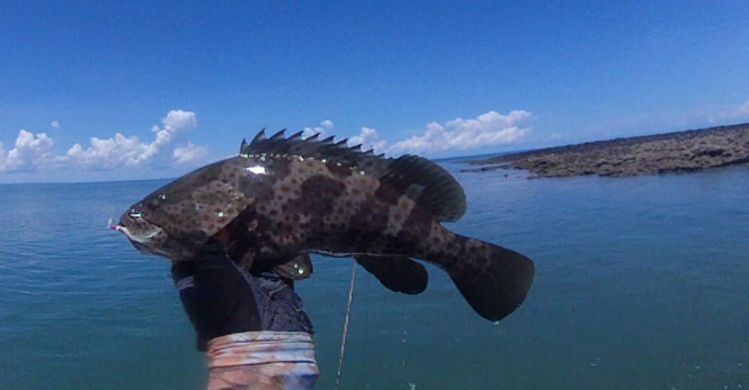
x=683 y=151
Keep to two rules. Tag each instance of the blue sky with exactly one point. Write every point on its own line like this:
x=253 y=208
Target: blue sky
x=183 y=83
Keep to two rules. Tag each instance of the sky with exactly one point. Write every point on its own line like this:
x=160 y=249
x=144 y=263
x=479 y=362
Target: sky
x=93 y=91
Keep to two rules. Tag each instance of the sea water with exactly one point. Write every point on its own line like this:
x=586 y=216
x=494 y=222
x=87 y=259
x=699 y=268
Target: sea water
x=641 y=283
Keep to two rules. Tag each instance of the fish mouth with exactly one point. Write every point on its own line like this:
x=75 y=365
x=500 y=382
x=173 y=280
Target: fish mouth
x=143 y=243
x=135 y=238
x=143 y=235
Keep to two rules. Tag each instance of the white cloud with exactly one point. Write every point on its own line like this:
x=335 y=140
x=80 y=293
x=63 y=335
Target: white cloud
x=487 y=129
x=324 y=127
x=742 y=109
x=368 y=138
x=33 y=152
x=190 y=154
x=30 y=151
x=113 y=152
x=727 y=112
x=55 y=125
x=122 y=150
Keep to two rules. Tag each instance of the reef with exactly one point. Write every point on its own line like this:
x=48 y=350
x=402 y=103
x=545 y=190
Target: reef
x=684 y=151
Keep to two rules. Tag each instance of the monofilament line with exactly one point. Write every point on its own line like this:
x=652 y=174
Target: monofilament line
x=345 y=327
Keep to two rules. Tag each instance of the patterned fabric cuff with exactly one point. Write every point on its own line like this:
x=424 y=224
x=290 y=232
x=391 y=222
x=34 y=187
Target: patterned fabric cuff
x=261 y=347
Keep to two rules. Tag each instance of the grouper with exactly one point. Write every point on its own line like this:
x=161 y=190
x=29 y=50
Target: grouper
x=292 y=196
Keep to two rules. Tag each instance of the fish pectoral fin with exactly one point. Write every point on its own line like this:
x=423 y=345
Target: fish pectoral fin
x=397 y=273
x=298 y=268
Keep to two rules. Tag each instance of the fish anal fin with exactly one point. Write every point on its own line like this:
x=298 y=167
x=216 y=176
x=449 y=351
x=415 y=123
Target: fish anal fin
x=397 y=273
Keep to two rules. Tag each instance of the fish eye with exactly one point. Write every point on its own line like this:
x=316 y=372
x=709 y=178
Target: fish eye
x=134 y=214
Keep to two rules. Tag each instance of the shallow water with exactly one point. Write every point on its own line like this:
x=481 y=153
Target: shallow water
x=641 y=283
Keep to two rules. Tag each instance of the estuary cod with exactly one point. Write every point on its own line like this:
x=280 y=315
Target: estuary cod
x=294 y=196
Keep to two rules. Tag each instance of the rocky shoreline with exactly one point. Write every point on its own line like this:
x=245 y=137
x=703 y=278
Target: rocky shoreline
x=683 y=151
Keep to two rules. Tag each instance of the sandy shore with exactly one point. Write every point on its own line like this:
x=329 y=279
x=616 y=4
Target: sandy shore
x=683 y=151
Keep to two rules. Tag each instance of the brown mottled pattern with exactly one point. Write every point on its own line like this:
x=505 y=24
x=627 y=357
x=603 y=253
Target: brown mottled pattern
x=292 y=205
x=303 y=204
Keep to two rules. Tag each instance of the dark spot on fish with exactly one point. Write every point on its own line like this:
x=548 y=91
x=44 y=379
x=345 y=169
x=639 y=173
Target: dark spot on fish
x=340 y=171
x=415 y=229
x=318 y=195
x=387 y=195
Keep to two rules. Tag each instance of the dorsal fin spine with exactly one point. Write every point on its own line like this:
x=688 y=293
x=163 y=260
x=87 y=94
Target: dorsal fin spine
x=430 y=185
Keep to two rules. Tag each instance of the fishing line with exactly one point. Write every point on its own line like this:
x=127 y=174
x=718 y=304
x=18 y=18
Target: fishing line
x=345 y=327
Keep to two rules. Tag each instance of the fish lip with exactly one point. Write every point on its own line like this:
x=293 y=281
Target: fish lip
x=142 y=243
x=139 y=239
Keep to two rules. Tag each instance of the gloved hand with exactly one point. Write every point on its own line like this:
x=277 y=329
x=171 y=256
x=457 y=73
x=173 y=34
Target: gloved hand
x=216 y=295
x=221 y=299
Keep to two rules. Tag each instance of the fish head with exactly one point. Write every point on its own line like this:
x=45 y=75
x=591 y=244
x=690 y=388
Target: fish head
x=148 y=237
x=176 y=220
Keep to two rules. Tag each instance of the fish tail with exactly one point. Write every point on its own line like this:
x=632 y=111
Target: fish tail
x=494 y=280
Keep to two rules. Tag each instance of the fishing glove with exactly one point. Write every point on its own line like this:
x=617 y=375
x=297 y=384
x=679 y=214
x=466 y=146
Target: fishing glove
x=220 y=298
x=215 y=294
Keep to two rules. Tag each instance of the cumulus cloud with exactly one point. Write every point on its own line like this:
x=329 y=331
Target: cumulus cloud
x=368 y=138
x=190 y=154
x=34 y=151
x=30 y=151
x=489 y=129
x=122 y=150
x=55 y=125
x=324 y=127
x=727 y=112
x=742 y=109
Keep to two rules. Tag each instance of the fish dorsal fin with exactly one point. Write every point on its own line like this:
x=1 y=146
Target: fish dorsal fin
x=313 y=147
x=430 y=185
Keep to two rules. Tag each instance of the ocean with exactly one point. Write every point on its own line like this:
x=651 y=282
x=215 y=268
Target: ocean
x=641 y=282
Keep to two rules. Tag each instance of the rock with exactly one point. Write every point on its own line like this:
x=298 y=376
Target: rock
x=685 y=151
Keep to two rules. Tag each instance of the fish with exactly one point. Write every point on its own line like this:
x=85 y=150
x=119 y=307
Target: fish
x=289 y=197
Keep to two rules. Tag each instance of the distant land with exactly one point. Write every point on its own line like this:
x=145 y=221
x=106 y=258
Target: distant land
x=683 y=151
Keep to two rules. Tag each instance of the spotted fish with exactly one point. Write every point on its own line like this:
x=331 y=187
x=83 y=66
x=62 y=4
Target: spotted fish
x=289 y=197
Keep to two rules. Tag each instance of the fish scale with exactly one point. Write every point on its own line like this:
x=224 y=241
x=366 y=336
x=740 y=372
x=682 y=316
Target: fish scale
x=285 y=198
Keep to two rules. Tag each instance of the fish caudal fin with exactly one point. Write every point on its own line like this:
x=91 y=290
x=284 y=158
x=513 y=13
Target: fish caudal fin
x=398 y=273
x=494 y=280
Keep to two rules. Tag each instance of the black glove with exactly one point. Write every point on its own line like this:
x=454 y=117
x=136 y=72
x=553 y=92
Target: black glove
x=216 y=295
